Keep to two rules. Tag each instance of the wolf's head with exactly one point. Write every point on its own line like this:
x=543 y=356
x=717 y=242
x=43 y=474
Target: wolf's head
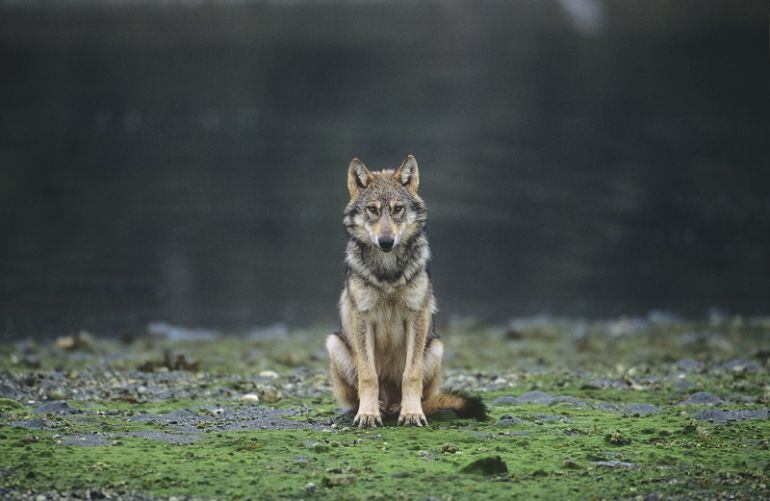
x=384 y=208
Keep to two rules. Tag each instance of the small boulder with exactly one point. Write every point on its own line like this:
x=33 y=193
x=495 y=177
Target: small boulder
x=491 y=465
x=508 y=420
x=449 y=448
x=724 y=415
x=702 y=398
x=534 y=397
x=640 y=410
x=58 y=407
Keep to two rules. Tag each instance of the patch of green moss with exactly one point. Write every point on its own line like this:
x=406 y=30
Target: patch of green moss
x=667 y=455
x=549 y=451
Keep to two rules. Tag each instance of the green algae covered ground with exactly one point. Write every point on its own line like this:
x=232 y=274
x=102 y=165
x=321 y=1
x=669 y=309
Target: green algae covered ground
x=650 y=408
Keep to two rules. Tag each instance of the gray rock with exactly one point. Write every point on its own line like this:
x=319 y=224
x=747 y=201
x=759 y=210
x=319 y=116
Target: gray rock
x=534 y=397
x=688 y=366
x=683 y=385
x=606 y=406
x=160 y=436
x=58 y=407
x=508 y=420
x=702 y=398
x=174 y=417
x=84 y=440
x=615 y=464
x=8 y=391
x=568 y=401
x=740 y=365
x=739 y=398
x=725 y=415
x=603 y=384
x=248 y=417
x=32 y=424
x=640 y=410
x=543 y=418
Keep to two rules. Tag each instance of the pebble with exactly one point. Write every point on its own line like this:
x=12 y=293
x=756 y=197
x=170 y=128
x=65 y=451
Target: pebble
x=615 y=464
x=508 y=420
x=449 y=448
x=269 y=394
x=268 y=374
x=251 y=398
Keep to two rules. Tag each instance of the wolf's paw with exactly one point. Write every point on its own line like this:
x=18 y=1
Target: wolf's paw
x=412 y=419
x=363 y=420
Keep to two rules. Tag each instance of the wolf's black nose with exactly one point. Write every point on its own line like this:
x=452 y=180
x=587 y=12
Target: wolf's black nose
x=386 y=244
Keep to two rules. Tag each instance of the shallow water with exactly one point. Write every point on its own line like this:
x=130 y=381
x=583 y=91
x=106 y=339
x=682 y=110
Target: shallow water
x=187 y=163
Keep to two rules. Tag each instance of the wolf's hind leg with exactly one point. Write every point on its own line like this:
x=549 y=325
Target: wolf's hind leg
x=342 y=373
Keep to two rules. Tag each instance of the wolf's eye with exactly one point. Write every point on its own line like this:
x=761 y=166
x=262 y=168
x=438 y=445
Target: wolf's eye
x=372 y=209
x=398 y=209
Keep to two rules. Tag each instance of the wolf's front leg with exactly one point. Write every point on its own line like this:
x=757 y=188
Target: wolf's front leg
x=368 y=385
x=411 y=382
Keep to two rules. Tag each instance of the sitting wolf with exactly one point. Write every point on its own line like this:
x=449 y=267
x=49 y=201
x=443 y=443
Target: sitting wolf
x=387 y=357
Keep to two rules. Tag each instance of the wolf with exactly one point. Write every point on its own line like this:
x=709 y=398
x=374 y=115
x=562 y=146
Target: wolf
x=386 y=359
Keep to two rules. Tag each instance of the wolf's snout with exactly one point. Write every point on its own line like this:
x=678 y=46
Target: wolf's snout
x=386 y=243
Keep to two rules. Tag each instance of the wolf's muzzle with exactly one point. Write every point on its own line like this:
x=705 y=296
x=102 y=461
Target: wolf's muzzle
x=386 y=244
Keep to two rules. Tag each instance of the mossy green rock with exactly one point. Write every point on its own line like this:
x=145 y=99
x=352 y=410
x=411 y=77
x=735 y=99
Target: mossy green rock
x=492 y=465
x=6 y=404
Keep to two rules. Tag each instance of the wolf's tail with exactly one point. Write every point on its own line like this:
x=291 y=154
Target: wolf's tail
x=463 y=405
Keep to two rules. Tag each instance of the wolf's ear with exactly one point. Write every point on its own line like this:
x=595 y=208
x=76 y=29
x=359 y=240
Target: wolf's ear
x=358 y=177
x=408 y=174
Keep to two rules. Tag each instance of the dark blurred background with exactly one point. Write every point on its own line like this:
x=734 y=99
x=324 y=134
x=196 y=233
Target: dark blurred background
x=186 y=161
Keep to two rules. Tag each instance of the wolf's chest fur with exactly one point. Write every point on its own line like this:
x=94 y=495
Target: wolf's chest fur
x=389 y=309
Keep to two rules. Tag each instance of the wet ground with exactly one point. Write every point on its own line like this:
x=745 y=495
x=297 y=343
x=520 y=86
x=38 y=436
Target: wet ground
x=652 y=407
